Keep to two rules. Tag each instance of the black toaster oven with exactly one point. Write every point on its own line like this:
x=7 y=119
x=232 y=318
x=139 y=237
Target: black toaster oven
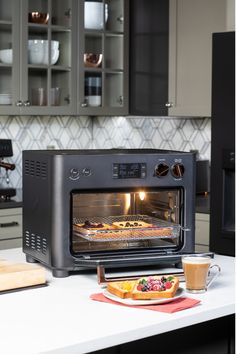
x=111 y=208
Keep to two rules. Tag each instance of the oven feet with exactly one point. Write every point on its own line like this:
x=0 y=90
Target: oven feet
x=178 y=265
x=30 y=259
x=59 y=273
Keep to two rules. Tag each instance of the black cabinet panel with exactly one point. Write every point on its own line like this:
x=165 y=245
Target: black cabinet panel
x=149 y=41
x=222 y=202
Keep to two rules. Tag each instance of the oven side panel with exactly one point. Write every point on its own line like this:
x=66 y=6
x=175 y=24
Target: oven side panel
x=37 y=206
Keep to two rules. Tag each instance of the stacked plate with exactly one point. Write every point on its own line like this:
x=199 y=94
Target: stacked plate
x=5 y=98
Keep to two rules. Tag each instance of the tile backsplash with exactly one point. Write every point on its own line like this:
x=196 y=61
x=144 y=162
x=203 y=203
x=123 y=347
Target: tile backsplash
x=77 y=132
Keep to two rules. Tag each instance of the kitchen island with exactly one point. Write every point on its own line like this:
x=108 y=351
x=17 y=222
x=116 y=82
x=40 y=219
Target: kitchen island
x=62 y=319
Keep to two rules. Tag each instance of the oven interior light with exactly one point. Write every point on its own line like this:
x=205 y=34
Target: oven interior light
x=127 y=202
x=142 y=195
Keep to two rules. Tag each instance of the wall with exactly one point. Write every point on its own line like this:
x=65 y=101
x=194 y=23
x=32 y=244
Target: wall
x=32 y=132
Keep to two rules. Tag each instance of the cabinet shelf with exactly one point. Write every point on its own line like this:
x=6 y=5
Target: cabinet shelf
x=2 y=65
x=5 y=25
x=46 y=67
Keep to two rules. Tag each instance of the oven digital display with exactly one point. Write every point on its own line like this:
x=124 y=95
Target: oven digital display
x=129 y=170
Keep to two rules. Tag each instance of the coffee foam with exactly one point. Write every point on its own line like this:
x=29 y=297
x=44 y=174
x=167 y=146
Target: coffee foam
x=196 y=260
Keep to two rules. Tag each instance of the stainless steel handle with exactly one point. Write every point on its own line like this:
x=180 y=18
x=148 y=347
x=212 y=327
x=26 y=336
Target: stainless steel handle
x=169 y=104
x=26 y=103
x=9 y=224
x=19 y=103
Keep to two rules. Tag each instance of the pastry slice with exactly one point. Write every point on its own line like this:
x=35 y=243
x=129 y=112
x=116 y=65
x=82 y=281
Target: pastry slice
x=122 y=289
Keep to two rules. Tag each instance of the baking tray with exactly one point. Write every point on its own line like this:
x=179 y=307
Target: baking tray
x=157 y=229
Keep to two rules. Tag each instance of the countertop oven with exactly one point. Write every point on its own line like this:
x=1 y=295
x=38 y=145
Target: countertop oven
x=115 y=208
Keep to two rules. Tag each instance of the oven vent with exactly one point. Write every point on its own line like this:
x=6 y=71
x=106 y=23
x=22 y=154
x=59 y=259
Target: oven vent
x=35 y=169
x=35 y=242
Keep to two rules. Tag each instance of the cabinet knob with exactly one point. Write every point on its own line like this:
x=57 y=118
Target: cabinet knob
x=26 y=103
x=169 y=104
x=68 y=13
x=120 y=19
x=120 y=100
x=19 y=103
x=84 y=104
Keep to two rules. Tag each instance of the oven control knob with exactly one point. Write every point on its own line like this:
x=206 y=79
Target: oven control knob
x=178 y=170
x=86 y=172
x=161 y=170
x=74 y=174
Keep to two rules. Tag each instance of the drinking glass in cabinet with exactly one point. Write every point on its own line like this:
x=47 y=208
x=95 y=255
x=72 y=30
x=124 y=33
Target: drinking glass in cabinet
x=93 y=91
x=95 y=15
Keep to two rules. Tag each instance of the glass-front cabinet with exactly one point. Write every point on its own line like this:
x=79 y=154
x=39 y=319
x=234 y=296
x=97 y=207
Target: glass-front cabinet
x=63 y=57
x=36 y=57
x=103 y=57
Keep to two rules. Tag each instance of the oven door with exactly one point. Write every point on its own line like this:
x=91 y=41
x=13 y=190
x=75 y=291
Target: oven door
x=112 y=223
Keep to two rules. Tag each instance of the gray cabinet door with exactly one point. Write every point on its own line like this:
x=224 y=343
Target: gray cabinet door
x=9 y=56
x=48 y=67
x=192 y=24
x=41 y=79
x=103 y=34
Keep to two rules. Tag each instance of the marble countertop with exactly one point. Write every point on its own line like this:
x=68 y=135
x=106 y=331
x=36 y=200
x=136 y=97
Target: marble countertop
x=61 y=318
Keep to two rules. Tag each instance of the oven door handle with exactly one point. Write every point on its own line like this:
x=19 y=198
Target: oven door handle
x=102 y=279
x=186 y=229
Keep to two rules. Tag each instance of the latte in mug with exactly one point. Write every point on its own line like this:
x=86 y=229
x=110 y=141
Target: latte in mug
x=196 y=269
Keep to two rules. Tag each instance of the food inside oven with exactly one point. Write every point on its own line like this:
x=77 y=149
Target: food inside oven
x=121 y=220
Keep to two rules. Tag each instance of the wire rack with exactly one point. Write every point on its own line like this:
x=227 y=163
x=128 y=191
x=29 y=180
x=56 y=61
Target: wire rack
x=156 y=228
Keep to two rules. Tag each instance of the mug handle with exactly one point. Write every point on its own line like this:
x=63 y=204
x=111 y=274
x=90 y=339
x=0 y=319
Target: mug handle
x=215 y=276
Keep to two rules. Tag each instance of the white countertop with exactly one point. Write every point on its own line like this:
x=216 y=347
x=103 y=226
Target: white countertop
x=62 y=319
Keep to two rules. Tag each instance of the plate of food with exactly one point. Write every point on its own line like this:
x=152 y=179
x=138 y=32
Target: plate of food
x=150 y=290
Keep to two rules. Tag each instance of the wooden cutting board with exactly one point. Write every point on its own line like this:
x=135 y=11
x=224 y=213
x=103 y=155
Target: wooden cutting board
x=20 y=275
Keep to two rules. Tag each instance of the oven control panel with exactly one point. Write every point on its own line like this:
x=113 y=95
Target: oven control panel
x=129 y=170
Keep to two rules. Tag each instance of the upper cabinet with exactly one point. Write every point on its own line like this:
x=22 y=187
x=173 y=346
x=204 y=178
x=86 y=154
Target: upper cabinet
x=103 y=57
x=172 y=73
x=37 y=37
x=190 y=54
x=63 y=57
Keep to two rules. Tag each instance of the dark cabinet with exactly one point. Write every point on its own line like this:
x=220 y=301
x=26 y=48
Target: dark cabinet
x=170 y=55
x=222 y=216
x=149 y=41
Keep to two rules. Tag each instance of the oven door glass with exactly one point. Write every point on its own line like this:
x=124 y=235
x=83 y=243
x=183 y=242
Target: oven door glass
x=124 y=220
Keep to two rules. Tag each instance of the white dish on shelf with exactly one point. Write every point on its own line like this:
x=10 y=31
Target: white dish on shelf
x=6 y=56
x=38 y=51
x=5 y=98
x=131 y=302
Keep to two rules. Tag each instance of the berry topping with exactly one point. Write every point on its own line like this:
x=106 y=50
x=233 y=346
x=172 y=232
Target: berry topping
x=168 y=285
x=155 y=284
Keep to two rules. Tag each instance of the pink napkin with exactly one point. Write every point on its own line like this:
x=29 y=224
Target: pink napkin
x=179 y=304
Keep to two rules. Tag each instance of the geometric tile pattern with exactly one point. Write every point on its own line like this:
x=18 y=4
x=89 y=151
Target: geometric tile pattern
x=82 y=132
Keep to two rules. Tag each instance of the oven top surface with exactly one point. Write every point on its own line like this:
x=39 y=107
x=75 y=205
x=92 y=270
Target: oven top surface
x=111 y=152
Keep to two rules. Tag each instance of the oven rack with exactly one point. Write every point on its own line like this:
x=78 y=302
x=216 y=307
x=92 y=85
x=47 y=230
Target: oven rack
x=157 y=229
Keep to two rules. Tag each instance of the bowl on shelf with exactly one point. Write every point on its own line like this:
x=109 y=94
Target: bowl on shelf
x=93 y=15
x=38 y=52
x=5 y=98
x=6 y=56
x=38 y=17
x=54 y=56
x=92 y=60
